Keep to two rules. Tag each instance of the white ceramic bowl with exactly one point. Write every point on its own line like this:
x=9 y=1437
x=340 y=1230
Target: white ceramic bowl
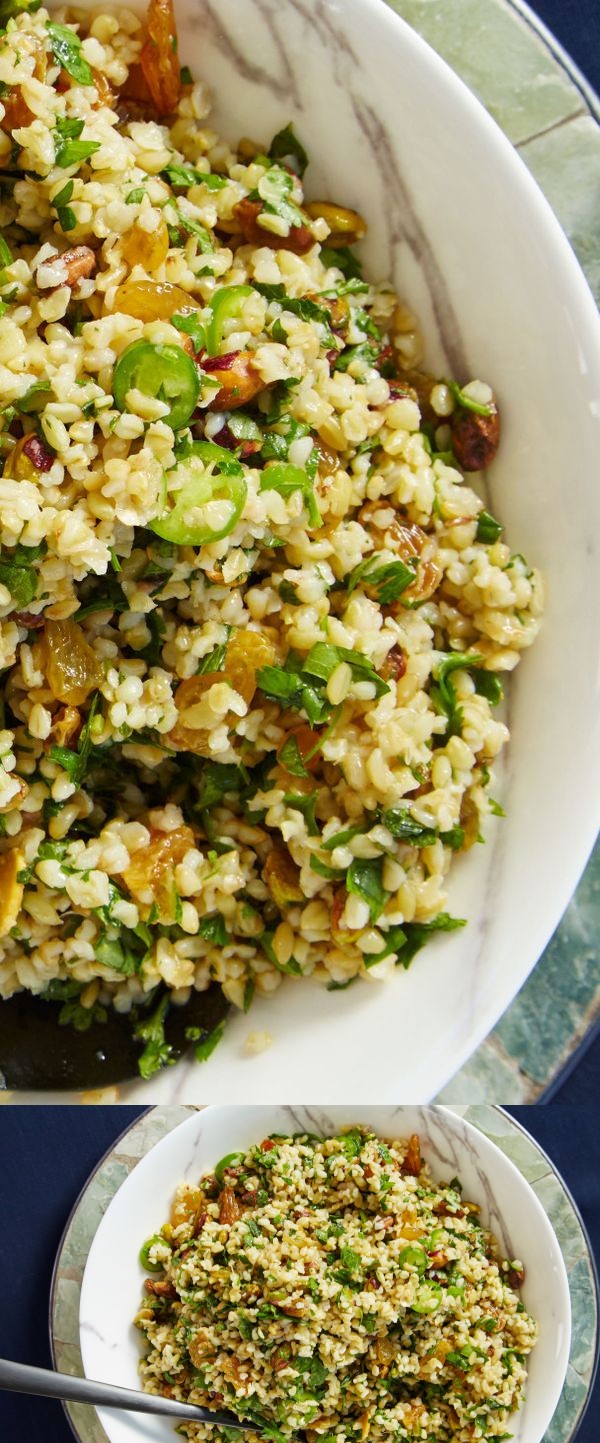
x=113 y=1279
x=458 y=222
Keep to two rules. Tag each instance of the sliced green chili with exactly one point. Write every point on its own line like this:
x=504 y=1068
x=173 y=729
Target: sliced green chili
x=225 y=304
x=231 y=1159
x=145 y=1252
x=163 y=371
x=221 y=478
x=285 y=479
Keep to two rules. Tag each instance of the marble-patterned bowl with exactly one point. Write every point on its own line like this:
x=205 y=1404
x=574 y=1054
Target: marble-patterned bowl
x=113 y=1279
x=472 y=244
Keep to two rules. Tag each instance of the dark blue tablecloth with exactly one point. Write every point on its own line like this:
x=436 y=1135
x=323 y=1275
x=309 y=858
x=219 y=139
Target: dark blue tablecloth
x=46 y=1155
x=576 y=23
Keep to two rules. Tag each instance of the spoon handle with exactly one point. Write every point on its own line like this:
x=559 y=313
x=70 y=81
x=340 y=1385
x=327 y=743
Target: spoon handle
x=21 y=1378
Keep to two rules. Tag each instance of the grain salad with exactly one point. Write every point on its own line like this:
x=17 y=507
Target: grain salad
x=330 y=1287
x=252 y=619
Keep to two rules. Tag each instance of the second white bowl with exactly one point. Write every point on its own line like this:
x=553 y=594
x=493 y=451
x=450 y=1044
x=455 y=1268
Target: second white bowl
x=113 y=1279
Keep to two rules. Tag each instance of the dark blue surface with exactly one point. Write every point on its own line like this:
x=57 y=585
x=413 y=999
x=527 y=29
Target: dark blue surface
x=46 y=1156
x=576 y=23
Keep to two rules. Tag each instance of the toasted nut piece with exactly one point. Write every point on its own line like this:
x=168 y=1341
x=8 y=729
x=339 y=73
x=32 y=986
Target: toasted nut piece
x=346 y=226
x=11 y=891
x=246 y=212
x=80 y=261
x=229 y=1208
x=239 y=381
x=516 y=1276
x=475 y=439
x=282 y=877
x=17 y=798
x=161 y=1289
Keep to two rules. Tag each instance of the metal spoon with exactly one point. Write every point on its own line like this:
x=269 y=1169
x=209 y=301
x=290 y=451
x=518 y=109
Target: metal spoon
x=21 y=1378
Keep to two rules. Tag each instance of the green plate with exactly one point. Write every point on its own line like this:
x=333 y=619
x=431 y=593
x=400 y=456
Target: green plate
x=535 y=1166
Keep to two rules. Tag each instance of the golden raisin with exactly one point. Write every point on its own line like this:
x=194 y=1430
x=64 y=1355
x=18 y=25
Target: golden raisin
x=246 y=653
x=149 y=249
x=72 y=669
x=411 y=1161
x=413 y=546
x=152 y=868
x=282 y=877
x=11 y=890
x=158 y=57
x=152 y=300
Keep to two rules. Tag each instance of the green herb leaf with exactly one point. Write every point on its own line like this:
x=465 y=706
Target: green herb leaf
x=75 y=764
x=405 y=828
x=408 y=939
x=286 y=146
x=217 y=780
x=124 y=951
x=443 y=695
x=205 y=1049
x=157 y=1052
x=306 y=309
x=18 y=578
x=213 y=929
x=306 y=805
x=286 y=479
x=344 y=259
x=389 y=580
x=66 y=47
x=266 y=942
x=135 y=196
x=488 y=529
x=73 y=152
x=364 y=879
x=332 y=874
x=366 y=353
x=186 y=175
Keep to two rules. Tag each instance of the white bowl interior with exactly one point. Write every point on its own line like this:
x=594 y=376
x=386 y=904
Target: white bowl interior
x=471 y=243
x=113 y=1279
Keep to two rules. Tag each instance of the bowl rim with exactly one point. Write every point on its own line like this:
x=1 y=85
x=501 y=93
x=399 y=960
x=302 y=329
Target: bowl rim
x=466 y=1134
